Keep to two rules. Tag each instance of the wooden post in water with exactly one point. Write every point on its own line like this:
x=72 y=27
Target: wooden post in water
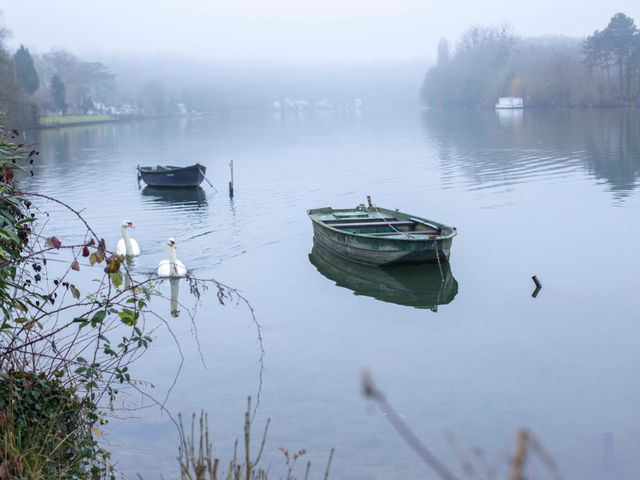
x=231 y=182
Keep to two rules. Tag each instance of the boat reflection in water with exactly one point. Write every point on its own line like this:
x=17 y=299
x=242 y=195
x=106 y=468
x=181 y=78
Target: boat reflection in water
x=188 y=196
x=418 y=286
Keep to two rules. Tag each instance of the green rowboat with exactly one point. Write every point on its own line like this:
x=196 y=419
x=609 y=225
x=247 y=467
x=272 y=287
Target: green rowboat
x=378 y=236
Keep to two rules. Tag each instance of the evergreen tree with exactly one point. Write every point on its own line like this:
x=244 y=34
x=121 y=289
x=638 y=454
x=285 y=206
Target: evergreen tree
x=26 y=74
x=58 y=93
x=14 y=110
x=87 y=104
x=619 y=38
x=443 y=53
x=616 y=46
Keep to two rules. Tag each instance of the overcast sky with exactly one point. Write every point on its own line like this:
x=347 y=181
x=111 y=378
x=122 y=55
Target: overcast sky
x=288 y=31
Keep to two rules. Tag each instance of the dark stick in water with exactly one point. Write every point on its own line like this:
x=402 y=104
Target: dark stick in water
x=538 y=286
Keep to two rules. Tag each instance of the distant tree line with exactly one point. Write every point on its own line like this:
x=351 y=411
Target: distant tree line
x=58 y=83
x=73 y=84
x=14 y=107
x=614 y=54
x=488 y=63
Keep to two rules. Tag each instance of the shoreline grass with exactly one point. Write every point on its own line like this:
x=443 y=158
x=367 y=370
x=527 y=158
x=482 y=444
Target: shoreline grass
x=72 y=120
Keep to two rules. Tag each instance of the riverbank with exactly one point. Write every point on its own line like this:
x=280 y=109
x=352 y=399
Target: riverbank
x=530 y=107
x=57 y=121
x=63 y=121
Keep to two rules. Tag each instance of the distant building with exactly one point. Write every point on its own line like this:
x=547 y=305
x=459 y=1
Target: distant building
x=324 y=104
x=510 y=103
x=302 y=105
x=293 y=104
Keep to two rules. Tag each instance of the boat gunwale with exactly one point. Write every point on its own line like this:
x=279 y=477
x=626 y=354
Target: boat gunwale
x=170 y=169
x=327 y=210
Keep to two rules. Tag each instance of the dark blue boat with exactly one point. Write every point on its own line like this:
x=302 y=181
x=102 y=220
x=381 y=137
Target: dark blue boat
x=172 y=177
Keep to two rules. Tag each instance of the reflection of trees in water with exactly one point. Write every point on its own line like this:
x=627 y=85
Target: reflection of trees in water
x=612 y=147
x=74 y=145
x=493 y=148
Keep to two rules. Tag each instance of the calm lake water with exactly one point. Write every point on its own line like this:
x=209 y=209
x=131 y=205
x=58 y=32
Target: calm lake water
x=551 y=193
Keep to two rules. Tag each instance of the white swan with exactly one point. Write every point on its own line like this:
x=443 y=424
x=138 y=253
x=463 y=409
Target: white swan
x=172 y=267
x=127 y=245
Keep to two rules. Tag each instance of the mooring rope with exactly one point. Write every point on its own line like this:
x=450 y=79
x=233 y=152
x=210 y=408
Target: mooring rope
x=435 y=245
x=408 y=235
x=387 y=222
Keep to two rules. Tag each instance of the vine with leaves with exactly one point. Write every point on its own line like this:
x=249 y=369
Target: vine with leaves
x=55 y=337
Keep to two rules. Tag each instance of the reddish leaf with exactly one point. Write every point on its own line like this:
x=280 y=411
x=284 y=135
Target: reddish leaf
x=53 y=242
x=7 y=174
x=75 y=266
x=85 y=251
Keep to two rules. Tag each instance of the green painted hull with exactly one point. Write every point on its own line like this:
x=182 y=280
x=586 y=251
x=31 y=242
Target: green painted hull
x=378 y=236
x=418 y=286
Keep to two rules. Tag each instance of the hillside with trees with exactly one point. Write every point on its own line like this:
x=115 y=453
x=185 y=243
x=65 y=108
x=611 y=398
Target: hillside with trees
x=52 y=87
x=56 y=82
x=488 y=63
x=14 y=104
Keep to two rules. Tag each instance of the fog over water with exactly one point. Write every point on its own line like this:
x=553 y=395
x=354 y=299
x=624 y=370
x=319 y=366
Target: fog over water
x=251 y=52
x=549 y=192
x=317 y=104
x=286 y=31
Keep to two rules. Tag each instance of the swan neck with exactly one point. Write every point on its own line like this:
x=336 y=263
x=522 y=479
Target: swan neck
x=127 y=241
x=173 y=258
x=173 y=262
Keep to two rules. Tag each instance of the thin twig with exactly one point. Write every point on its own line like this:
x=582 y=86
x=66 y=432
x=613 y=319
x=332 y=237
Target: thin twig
x=371 y=391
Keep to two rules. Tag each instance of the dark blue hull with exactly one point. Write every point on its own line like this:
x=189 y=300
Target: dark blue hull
x=172 y=177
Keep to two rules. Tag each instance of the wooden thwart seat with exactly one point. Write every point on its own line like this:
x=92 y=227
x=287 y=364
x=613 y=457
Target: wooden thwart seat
x=360 y=220
x=394 y=223
x=412 y=233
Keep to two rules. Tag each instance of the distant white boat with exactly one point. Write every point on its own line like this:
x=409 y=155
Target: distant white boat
x=509 y=103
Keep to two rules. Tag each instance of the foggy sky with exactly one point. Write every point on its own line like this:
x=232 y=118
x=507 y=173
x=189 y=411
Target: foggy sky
x=288 y=31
